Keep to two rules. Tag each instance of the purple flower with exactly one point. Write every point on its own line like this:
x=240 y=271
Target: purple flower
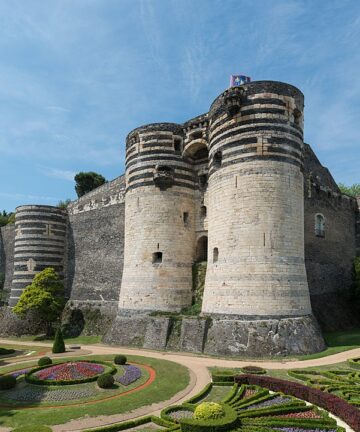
x=132 y=374
x=19 y=372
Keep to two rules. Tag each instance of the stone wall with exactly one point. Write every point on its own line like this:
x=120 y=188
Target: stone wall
x=7 y=239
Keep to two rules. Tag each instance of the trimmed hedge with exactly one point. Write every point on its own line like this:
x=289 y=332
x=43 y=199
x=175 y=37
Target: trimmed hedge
x=253 y=370
x=44 y=361
x=105 y=381
x=36 y=428
x=337 y=406
x=201 y=395
x=122 y=426
x=120 y=359
x=6 y=351
x=219 y=377
x=59 y=344
x=30 y=378
x=354 y=363
x=164 y=415
x=7 y=382
x=227 y=422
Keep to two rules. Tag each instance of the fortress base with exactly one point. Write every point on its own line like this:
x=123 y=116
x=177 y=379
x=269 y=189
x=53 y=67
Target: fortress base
x=218 y=335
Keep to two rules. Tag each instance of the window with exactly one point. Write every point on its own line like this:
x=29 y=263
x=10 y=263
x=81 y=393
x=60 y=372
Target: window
x=297 y=117
x=203 y=211
x=196 y=135
x=177 y=145
x=157 y=257
x=217 y=159
x=215 y=255
x=319 y=225
x=186 y=218
x=203 y=180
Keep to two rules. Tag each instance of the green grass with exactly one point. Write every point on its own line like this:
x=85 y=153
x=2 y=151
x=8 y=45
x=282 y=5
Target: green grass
x=80 y=340
x=171 y=378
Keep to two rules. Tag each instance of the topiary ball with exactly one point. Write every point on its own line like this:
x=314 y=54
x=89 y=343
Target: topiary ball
x=7 y=382
x=44 y=361
x=120 y=359
x=209 y=411
x=105 y=381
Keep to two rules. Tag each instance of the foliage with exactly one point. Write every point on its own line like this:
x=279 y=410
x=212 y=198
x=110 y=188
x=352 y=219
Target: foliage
x=105 y=381
x=6 y=218
x=44 y=297
x=87 y=181
x=63 y=204
x=132 y=374
x=7 y=382
x=6 y=351
x=44 y=361
x=120 y=359
x=35 y=428
x=253 y=370
x=208 y=410
x=59 y=344
x=353 y=190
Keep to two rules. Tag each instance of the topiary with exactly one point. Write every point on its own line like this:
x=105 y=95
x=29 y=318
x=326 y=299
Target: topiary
x=120 y=359
x=44 y=361
x=59 y=344
x=253 y=370
x=209 y=411
x=7 y=382
x=105 y=381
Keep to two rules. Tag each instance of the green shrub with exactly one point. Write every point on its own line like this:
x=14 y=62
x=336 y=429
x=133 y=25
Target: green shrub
x=120 y=359
x=228 y=421
x=105 y=381
x=35 y=428
x=59 y=344
x=6 y=351
x=44 y=361
x=7 y=382
x=208 y=411
x=253 y=370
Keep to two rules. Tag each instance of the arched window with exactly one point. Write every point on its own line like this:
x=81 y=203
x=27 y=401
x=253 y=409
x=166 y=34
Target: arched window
x=203 y=212
x=201 y=249
x=319 y=225
x=215 y=255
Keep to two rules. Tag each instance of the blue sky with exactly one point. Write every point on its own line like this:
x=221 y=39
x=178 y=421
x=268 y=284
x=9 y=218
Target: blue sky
x=77 y=75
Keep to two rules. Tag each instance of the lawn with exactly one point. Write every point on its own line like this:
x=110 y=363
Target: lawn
x=80 y=340
x=170 y=379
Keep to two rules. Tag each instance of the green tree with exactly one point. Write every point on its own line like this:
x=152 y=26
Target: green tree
x=353 y=190
x=64 y=204
x=87 y=181
x=59 y=344
x=6 y=218
x=44 y=298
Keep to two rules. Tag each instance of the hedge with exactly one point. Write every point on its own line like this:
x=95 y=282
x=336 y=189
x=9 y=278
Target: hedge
x=44 y=361
x=201 y=395
x=337 y=406
x=36 y=428
x=122 y=426
x=30 y=378
x=223 y=424
x=7 y=382
x=354 y=363
x=219 y=377
x=166 y=411
x=6 y=351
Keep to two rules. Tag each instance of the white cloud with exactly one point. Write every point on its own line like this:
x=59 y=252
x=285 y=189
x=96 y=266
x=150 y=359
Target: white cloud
x=61 y=174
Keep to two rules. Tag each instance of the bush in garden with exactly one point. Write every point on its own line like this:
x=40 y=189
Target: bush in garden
x=44 y=361
x=36 y=428
x=253 y=370
x=120 y=359
x=59 y=344
x=105 y=381
x=208 y=411
x=6 y=351
x=7 y=382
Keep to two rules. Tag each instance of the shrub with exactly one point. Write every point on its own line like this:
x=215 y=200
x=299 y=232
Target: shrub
x=6 y=351
x=208 y=411
x=253 y=370
x=59 y=345
x=120 y=359
x=228 y=421
x=36 y=428
x=105 y=381
x=44 y=361
x=7 y=382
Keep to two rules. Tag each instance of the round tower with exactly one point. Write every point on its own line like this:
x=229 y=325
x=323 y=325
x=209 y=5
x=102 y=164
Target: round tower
x=40 y=233
x=159 y=221
x=255 y=204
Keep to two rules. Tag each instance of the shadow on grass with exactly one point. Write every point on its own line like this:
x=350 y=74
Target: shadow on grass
x=343 y=338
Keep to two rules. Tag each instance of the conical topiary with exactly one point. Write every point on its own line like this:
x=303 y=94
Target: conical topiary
x=59 y=344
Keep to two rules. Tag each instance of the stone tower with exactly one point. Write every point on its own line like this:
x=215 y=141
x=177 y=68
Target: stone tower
x=159 y=221
x=40 y=233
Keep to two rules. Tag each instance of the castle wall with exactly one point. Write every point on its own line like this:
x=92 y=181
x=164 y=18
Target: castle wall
x=7 y=240
x=95 y=244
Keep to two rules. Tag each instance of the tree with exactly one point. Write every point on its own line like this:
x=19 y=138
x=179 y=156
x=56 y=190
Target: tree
x=63 y=204
x=44 y=298
x=6 y=218
x=87 y=181
x=353 y=190
x=59 y=344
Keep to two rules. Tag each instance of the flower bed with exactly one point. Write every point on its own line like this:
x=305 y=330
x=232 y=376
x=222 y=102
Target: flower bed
x=132 y=374
x=68 y=373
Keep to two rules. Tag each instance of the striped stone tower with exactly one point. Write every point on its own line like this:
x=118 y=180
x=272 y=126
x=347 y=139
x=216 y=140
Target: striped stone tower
x=40 y=233
x=159 y=221
x=256 y=216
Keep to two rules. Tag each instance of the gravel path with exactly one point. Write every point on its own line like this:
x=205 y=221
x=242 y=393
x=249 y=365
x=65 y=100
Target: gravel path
x=198 y=371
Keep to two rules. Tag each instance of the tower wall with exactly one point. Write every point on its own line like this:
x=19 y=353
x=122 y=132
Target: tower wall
x=159 y=221
x=256 y=215
x=40 y=233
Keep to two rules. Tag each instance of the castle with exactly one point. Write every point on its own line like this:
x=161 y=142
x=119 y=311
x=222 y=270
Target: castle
x=236 y=187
